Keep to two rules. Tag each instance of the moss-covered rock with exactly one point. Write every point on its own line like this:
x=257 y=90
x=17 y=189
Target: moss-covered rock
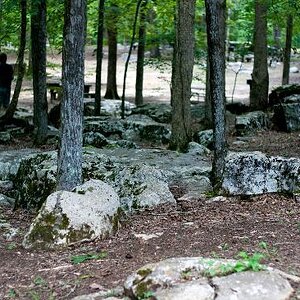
x=69 y=217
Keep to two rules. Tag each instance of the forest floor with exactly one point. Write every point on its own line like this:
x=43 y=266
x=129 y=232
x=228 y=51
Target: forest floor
x=269 y=224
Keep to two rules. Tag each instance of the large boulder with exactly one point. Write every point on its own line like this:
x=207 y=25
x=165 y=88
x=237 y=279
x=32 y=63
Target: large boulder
x=198 y=278
x=205 y=138
x=249 y=123
x=90 y=212
x=141 y=185
x=252 y=173
x=149 y=172
x=287 y=114
x=279 y=93
x=159 y=112
x=142 y=128
x=11 y=160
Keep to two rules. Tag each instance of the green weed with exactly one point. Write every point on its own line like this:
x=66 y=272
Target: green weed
x=78 y=259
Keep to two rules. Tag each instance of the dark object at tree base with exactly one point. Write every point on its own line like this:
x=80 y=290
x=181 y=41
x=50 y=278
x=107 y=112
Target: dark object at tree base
x=237 y=108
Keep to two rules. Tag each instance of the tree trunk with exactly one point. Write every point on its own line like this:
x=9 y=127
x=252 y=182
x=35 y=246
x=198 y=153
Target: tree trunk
x=182 y=74
x=287 y=50
x=260 y=77
x=8 y=116
x=208 y=108
x=69 y=169
x=128 y=56
x=99 y=58
x=38 y=46
x=112 y=33
x=140 y=57
x=216 y=34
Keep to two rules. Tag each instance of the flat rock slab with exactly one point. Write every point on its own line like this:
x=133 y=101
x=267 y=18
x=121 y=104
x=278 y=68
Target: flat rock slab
x=200 y=278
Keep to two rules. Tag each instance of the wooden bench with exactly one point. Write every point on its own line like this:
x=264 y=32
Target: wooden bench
x=55 y=88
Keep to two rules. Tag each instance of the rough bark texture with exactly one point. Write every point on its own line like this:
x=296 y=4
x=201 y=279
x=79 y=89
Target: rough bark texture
x=38 y=47
x=208 y=108
x=99 y=58
x=182 y=73
x=260 y=76
x=8 y=116
x=141 y=56
x=112 y=33
x=216 y=33
x=287 y=50
x=70 y=147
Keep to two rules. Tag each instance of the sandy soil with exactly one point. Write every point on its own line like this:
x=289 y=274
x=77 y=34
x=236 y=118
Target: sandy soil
x=157 y=83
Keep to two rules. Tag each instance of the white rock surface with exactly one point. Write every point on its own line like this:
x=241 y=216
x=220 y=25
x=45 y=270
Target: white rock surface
x=251 y=173
x=69 y=217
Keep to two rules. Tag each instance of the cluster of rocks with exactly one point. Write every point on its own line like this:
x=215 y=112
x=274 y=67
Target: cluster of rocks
x=199 y=278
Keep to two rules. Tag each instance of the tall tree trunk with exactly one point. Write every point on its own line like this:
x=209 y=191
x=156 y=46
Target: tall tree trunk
x=140 y=57
x=69 y=170
x=216 y=34
x=99 y=58
x=112 y=33
x=128 y=56
x=182 y=74
x=287 y=50
x=38 y=47
x=260 y=77
x=8 y=116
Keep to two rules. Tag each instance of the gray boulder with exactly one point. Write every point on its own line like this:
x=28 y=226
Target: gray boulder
x=197 y=149
x=90 y=212
x=278 y=94
x=142 y=128
x=143 y=186
x=249 y=123
x=256 y=173
x=205 y=138
x=159 y=112
x=287 y=114
x=5 y=137
x=94 y=139
x=10 y=162
x=200 y=278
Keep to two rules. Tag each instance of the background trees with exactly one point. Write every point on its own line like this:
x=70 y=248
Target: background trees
x=182 y=72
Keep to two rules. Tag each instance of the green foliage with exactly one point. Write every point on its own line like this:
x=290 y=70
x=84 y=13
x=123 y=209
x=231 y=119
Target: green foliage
x=244 y=263
x=146 y=295
x=12 y=294
x=78 y=259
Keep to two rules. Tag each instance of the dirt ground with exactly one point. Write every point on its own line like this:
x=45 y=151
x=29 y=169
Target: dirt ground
x=269 y=224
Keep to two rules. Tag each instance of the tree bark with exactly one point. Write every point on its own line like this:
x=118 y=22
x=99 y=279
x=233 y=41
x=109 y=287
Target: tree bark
x=112 y=33
x=38 y=47
x=141 y=57
x=99 y=58
x=216 y=34
x=182 y=73
x=70 y=147
x=260 y=77
x=8 y=116
x=287 y=50
x=208 y=104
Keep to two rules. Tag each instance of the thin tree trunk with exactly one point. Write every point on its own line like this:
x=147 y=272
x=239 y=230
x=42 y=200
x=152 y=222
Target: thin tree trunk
x=99 y=58
x=141 y=57
x=112 y=33
x=38 y=47
x=69 y=170
x=260 y=77
x=8 y=116
x=128 y=56
x=182 y=74
x=216 y=34
x=287 y=50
